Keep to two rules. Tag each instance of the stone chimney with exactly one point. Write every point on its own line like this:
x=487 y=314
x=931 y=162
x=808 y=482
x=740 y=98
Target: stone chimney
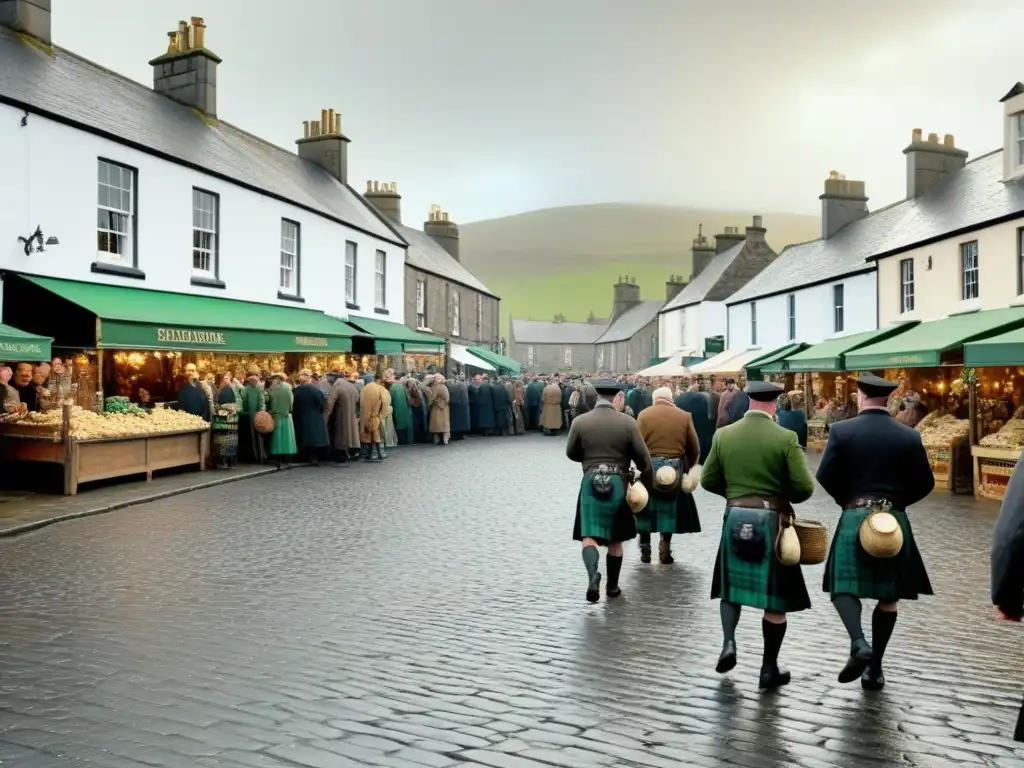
x=443 y=230
x=755 y=232
x=929 y=162
x=729 y=237
x=187 y=72
x=673 y=286
x=842 y=202
x=626 y=294
x=30 y=17
x=384 y=196
x=324 y=144
x=703 y=251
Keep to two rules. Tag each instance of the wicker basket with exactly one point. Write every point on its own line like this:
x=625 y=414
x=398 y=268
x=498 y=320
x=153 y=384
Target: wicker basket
x=813 y=541
x=263 y=422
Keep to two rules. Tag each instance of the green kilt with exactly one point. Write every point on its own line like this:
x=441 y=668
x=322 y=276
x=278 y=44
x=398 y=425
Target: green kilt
x=282 y=439
x=606 y=520
x=767 y=584
x=852 y=571
x=668 y=514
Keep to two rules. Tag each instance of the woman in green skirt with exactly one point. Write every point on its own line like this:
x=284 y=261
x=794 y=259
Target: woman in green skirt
x=672 y=441
x=279 y=403
x=606 y=442
x=873 y=464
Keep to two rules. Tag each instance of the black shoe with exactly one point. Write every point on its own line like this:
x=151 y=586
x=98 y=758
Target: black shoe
x=594 y=589
x=645 y=553
x=860 y=658
x=612 y=590
x=727 y=658
x=772 y=677
x=665 y=556
x=872 y=679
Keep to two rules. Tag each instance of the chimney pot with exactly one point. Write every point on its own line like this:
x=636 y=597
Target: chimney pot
x=182 y=36
x=757 y=222
x=444 y=231
x=198 y=32
x=29 y=17
x=172 y=42
x=933 y=138
x=192 y=80
x=915 y=135
x=930 y=162
x=949 y=141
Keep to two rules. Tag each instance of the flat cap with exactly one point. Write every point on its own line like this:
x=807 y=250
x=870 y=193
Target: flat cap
x=607 y=386
x=875 y=386
x=763 y=391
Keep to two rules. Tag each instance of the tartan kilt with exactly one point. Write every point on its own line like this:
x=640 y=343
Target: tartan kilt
x=850 y=570
x=666 y=514
x=606 y=520
x=768 y=584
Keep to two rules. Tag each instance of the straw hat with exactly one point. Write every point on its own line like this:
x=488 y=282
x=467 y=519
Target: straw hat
x=665 y=477
x=788 y=549
x=636 y=497
x=881 y=535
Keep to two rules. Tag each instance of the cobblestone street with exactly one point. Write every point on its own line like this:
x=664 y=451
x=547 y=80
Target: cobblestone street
x=429 y=612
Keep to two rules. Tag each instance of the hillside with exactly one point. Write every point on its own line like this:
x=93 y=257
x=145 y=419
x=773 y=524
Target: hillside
x=567 y=259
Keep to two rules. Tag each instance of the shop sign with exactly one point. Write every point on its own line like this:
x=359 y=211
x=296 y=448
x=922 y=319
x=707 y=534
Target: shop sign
x=812 y=365
x=906 y=360
x=23 y=348
x=189 y=336
x=310 y=341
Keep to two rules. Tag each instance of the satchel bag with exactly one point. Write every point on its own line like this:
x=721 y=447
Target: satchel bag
x=263 y=422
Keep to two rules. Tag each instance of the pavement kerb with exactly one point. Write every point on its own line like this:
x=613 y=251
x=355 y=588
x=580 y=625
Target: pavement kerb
x=37 y=524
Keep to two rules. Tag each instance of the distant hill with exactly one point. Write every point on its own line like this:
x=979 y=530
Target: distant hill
x=567 y=259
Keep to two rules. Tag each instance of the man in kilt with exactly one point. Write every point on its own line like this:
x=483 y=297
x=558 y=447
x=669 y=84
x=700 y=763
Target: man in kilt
x=605 y=442
x=672 y=440
x=761 y=471
x=873 y=463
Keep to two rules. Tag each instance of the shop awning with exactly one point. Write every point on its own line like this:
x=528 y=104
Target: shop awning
x=772 y=362
x=395 y=338
x=463 y=356
x=672 y=367
x=729 y=361
x=832 y=354
x=17 y=346
x=135 y=318
x=1005 y=349
x=935 y=342
x=502 y=363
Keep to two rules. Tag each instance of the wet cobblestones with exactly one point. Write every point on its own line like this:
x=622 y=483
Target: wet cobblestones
x=429 y=612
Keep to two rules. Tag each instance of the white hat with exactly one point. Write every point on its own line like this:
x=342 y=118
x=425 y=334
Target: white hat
x=662 y=393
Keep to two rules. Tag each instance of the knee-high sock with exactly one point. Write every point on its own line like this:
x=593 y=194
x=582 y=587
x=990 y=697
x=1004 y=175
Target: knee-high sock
x=773 y=636
x=730 y=613
x=666 y=538
x=591 y=558
x=848 y=608
x=614 y=563
x=645 y=539
x=882 y=625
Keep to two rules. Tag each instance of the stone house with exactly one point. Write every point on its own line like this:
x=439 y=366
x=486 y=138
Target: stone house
x=630 y=343
x=556 y=345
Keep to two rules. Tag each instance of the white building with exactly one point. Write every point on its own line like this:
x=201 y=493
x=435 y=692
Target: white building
x=148 y=188
x=698 y=311
x=821 y=288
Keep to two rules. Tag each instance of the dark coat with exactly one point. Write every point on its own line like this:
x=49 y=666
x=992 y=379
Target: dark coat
x=1008 y=550
x=501 y=406
x=645 y=400
x=605 y=436
x=192 y=399
x=458 y=407
x=532 y=403
x=308 y=417
x=473 y=399
x=874 y=455
x=587 y=399
x=698 y=405
x=485 y=406
x=566 y=394
x=739 y=405
x=797 y=422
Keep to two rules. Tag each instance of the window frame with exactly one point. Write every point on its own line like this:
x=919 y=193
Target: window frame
x=838 y=307
x=530 y=356
x=421 y=303
x=967 y=249
x=479 y=316
x=131 y=238
x=351 y=249
x=567 y=356
x=380 y=279
x=456 y=324
x=1019 y=140
x=753 y=323
x=213 y=252
x=908 y=288
x=791 y=316
x=1020 y=261
x=294 y=290
x=600 y=357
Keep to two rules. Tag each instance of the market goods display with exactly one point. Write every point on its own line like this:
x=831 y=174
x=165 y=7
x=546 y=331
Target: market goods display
x=941 y=431
x=121 y=404
x=88 y=425
x=1010 y=436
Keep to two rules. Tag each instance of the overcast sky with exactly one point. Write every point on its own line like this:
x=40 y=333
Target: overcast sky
x=492 y=107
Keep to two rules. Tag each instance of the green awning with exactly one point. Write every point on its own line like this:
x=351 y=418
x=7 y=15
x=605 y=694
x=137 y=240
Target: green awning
x=833 y=354
x=1004 y=349
x=772 y=362
x=933 y=343
x=393 y=338
x=135 y=318
x=17 y=346
x=500 y=362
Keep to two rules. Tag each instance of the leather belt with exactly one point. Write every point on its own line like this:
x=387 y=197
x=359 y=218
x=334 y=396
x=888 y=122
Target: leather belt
x=608 y=469
x=867 y=502
x=753 y=502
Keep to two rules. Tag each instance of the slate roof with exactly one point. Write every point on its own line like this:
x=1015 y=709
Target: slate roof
x=972 y=197
x=68 y=88
x=426 y=253
x=631 y=322
x=547 y=332
x=698 y=288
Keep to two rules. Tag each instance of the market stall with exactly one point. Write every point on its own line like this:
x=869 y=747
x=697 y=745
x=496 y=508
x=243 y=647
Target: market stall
x=463 y=356
x=771 y=365
x=671 y=368
x=729 y=361
x=399 y=347
x=18 y=346
x=90 y=446
x=505 y=365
